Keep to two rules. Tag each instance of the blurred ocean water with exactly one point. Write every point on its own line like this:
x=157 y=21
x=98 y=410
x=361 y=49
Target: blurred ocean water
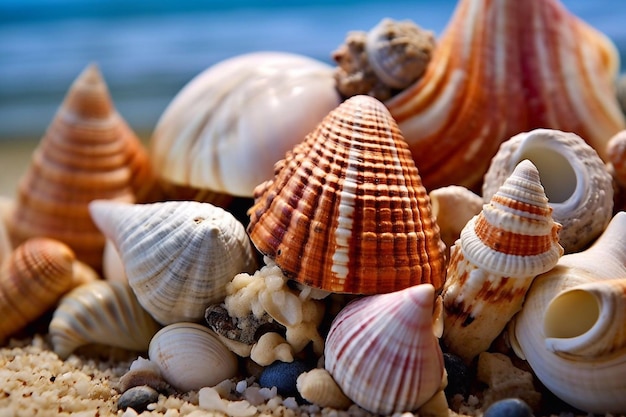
x=148 y=49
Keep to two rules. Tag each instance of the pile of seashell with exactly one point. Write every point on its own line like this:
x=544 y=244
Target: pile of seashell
x=348 y=258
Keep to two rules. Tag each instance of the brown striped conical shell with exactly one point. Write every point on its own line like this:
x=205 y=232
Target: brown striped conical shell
x=87 y=153
x=346 y=211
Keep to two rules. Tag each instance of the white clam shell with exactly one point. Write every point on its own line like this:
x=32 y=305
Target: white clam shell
x=178 y=255
x=229 y=125
x=101 y=312
x=577 y=351
x=371 y=336
x=577 y=182
x=190 y=356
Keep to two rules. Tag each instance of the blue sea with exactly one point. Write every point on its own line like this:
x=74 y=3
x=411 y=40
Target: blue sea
x=148 y=49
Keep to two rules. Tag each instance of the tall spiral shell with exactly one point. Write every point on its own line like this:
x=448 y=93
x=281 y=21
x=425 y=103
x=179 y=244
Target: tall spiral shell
x=178 y=255
x=383 y=350
x=88 y=152
x=346 y=210
x=499 y=253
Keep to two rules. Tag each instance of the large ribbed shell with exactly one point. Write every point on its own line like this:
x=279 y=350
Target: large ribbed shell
x=500 y=68
x=346 y=211
x=178 y=255
x=101 y=312
x=87 y=153
x=383 y=350
x=500 y=251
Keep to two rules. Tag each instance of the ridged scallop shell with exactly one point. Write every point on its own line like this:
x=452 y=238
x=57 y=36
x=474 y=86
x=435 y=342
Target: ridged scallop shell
x=491 y=77
x=87 y=153
x=346 y=211
x=571 y=327
x=500 y=251
x=32 y=279
x=576 y=181
x=229 y=125
x=101 y=312
x=178 y=255
x=190 y=356
x=383 y=350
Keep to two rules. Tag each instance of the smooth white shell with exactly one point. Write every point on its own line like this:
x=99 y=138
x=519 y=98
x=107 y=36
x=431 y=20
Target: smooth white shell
x=229 y=125
x=190 y=356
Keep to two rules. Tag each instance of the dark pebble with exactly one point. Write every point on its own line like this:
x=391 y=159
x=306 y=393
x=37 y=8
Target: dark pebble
x=138 y=398
x=510 y=407
x=283 y=376
x=459 y=376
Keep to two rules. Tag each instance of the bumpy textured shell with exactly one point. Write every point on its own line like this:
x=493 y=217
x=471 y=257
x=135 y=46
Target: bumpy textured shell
x=383 y=352
x=346 y=211
x=576 y=351
x=102 y=312
x=190 y=356
x=491 y=78
x=32 y=279
x=576 y=181
x=88 y=152
x=500 y=251
x=226 y=128
x=178 y=255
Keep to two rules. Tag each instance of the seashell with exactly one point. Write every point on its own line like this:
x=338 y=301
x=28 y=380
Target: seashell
x=32 y=279
x=229 y=125
x=178 y=255
x=190 y=356
x=87 y=153
x=577 y=350
x=101 y=312
x=500 y=251
x=346 y=211
x=491 y=78
x=5 y=242
x=616 y=166
x=371 y=336
x=318 y=387
x=575 y=179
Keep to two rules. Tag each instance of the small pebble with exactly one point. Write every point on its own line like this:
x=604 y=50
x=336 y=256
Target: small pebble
x=283 y=376
x=459 y=377
x=510 y=407
x=138 y=398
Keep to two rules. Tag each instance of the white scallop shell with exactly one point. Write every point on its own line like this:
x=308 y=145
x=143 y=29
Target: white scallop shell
x=101 y=312
x=576 y=181
x=178 y=255
x=371 y=336
x=190 y=356
x=229 y=125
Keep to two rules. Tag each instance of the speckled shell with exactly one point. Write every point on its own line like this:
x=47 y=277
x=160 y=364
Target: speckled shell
x=576 y=181
x=178 y=255
x=101 y=312
x=32 y=279
x=571 y=327
x=499 y=253
x=390 y=339
x=491 y=77
x=229 y=125
x=88 y=152
x=190 y=356
x=346 y=211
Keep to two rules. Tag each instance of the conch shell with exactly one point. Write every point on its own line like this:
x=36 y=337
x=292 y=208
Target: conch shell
x=229 y=125
x=500 y=251
x=492 y=77
x=178 y=255
x=346 y=211
x=383 y=350
x=576 y=181
x=571 y=328
x=87 y=153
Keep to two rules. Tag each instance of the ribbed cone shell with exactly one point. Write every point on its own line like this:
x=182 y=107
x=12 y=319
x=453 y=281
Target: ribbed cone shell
x=32 y=279
x=346 y=211
x=87 y=153
x=503 y=67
